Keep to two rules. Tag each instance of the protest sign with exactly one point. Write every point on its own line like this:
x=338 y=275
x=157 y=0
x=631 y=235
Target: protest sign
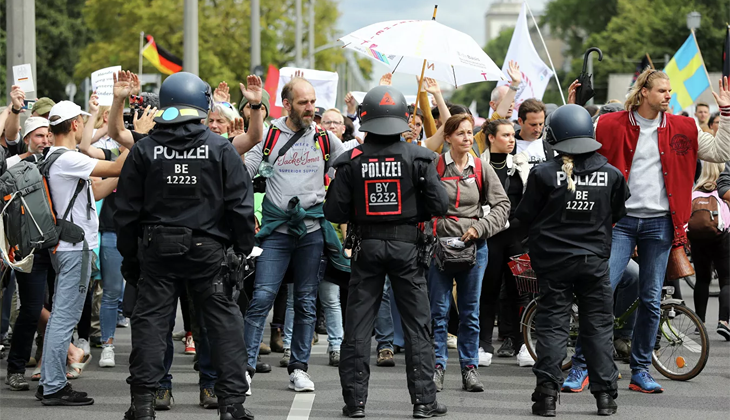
x=324 y=82
x=23 y=77
x=102 y=81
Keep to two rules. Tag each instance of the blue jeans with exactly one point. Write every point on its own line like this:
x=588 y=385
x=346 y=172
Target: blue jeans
x=329 y=295
x=279 y=251
x=384 y=329
x=653 y=237
x=288 y=317
x=469 y=290
x=627 y=291
x=112 y=283
x=68 y=303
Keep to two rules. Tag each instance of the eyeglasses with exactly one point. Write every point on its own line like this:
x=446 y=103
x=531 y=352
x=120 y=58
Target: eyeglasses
x=226 y=104
x=335 y=123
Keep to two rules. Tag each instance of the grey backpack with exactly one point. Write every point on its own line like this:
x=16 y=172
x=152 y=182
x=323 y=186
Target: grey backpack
x=27 y=210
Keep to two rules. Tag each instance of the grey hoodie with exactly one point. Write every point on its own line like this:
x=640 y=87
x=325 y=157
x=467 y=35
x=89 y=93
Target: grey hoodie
x=299 y=173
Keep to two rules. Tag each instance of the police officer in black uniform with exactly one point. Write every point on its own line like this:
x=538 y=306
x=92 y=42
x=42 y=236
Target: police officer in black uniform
x=570 y=205
x=383 y=189
x=185 y=209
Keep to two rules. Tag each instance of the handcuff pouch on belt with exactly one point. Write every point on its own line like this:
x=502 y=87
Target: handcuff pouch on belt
x=352 y=241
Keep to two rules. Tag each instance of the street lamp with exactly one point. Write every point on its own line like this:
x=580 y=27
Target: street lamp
x=693 y=20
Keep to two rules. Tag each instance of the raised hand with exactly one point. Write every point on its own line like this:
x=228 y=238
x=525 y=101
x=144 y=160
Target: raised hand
x=144 y=123
x=723 y=98
x=299 y=73
x=94 y=103
x=221 y=93
x=136 y=85
x=386 y=80
x=236 y=128
x=514 y=73
x=253 y=92
x=17 y=97
x=575 y=85
x=432 y=86
x=123 y=84
x=351 y=103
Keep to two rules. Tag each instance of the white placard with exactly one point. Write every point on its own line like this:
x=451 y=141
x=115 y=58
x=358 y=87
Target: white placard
x=324 y=82
x=23 y=77
x=102 y=81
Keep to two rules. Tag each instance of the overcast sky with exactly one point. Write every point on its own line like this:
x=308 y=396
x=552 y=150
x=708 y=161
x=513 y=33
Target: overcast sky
x=464 y=15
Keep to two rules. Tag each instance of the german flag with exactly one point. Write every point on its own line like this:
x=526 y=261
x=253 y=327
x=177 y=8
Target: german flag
x=162 y=59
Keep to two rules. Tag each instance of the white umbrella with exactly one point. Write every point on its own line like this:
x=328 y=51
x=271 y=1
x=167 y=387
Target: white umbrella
x=451 y=56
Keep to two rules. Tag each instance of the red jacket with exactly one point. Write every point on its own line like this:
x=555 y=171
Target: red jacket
x=618 y=132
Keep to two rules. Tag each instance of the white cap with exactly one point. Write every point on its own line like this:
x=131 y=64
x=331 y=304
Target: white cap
x=32 y=124
x=66 y=110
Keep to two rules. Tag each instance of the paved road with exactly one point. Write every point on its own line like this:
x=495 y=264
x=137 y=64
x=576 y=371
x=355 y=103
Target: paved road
x=507 y=394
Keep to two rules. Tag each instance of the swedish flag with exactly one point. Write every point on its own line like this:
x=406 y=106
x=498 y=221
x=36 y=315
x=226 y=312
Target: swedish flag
x=687 y=74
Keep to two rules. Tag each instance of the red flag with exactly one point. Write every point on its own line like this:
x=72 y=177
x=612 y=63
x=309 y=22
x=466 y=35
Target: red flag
x=271 y=85
x=726 y=55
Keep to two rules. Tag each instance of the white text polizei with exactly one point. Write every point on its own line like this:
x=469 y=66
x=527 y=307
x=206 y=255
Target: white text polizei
x=381 y=169
x=596 y=179
x=200 y=152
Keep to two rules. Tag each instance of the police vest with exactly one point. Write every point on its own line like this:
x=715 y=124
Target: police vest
x=383 y=183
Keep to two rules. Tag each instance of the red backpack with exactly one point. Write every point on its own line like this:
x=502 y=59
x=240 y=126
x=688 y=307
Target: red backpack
x=441 y=169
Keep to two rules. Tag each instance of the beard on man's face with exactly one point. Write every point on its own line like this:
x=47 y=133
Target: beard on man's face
x=301 y=120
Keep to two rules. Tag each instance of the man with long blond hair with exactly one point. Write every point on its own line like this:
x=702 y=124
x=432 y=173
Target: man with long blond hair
x=653 y=149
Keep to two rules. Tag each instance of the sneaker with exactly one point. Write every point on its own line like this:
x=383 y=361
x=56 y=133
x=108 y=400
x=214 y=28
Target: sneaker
x=643 y=382
x=164 y=400
x=438 y=377
x=300 y=381
x=723 y=330
x=284 y=362
x=208 y=399
x=67 y=396
x=507 y=349
x=122 y=321
x=524 y=358
x=17 y=382
x=179 y=335
x=451 y=341
x=84 y=345
x=470 y=380
x=385 y=358
x=189 y=343
x=248 y=381
x=576 y=381
x=485 y=359
x=107 y=357
x=335 y=358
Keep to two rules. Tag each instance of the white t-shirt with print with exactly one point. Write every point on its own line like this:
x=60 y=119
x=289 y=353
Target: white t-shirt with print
x=533 y=149
x=63 y=177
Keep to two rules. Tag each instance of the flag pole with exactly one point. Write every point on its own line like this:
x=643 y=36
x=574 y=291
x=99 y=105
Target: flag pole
x=141 y=46
x=651 y=63
x=546 y=52
x=420 y=81
x=709 y=81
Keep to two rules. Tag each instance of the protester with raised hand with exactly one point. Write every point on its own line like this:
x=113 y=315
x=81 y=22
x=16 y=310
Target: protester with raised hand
x=252 y=93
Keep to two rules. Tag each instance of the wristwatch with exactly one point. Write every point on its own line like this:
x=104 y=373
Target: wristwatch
x=12 y=108
x=257 y=106
x=515 y=88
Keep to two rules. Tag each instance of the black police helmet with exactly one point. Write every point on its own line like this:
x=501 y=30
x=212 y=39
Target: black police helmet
x=569 y=129
x=384 y=111
x=183 y=97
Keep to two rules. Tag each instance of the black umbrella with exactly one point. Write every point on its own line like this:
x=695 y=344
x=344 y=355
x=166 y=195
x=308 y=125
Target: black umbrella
x=585 y=92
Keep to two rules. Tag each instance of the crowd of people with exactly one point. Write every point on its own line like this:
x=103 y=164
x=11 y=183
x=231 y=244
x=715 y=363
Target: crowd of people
x=493 y=194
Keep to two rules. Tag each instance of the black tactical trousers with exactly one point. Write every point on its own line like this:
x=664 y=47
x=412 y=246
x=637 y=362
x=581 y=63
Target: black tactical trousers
x=398 y=260
x=587 y=278
x=163 y=278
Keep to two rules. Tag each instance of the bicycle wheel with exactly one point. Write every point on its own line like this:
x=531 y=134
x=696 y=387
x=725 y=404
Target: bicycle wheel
x=682 y=347
x=528 y=335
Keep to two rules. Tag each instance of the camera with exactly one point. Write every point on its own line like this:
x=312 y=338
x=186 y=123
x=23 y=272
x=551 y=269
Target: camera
x=137 y=105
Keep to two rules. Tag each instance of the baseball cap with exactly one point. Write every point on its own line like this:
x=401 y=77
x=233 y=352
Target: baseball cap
x=32 y=124
x=318 y=111
x=65 y=110
x=42 y=106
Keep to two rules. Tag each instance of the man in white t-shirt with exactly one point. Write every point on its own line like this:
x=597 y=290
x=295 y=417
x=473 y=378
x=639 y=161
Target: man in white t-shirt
x=71 y=261
x=531 y=118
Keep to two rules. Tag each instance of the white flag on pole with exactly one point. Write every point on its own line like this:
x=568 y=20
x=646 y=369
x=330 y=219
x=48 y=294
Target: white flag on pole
x=535 y=73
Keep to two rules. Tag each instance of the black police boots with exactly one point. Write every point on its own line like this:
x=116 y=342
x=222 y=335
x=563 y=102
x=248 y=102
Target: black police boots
x=234 y=412
x=545 y=398
x=426 y=411
x=353 y=412
x=142 y=407
x=606 y=403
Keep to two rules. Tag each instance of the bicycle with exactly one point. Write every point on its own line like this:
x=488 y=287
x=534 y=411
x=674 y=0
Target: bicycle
x=682 y=347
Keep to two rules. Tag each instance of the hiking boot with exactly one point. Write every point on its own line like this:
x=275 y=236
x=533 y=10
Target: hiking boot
x=545 y=398
x=262 y=367
x=300 y=381
x=470 y=380
x=284 y=362
x=142 y=407
x=335 y=358
x=426 y=411
x=68 y=397
x=643 y=382
x=164 y=400
x=17 y=382
x=234 y=412
x=208 y=399
x=385 y=358
x=606 y=403
x=622 y=347
x=507 y=349
x=438 y=378
x=276 y=343
x=353 y=412
x=576 y=381
x=264 y=349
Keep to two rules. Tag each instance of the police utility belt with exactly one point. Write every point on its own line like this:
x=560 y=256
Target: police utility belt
x=390 y=232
